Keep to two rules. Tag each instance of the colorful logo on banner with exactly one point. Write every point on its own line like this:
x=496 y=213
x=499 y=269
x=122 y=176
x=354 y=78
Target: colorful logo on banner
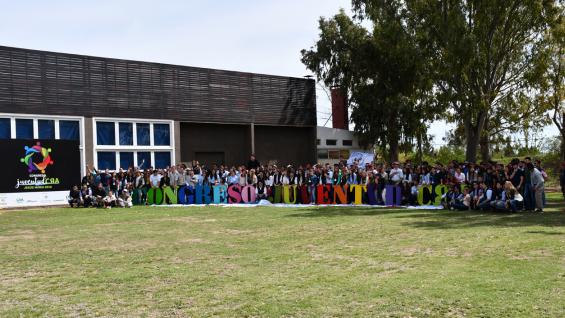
x=37 y=158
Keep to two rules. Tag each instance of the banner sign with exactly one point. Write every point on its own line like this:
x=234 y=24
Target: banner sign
x=361 y=157
x=288 y=194
x=39 y=165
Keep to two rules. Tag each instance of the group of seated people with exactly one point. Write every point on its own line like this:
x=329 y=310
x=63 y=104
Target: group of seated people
x=87 y=196
x=520 y=184
x=504 y=197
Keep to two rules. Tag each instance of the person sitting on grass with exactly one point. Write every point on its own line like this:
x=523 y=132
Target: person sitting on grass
x=74 y=197
x=462 y=202
x=449 y=198
x=109 y=200
x=99 y=194
x=486 y=197
x=475 y=194
x=514 y=200
x=261 y=191
x=124 y=200
x=498 y=202
x=86 y=196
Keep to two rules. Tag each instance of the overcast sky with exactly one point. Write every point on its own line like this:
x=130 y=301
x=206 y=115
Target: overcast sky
x=251 y=36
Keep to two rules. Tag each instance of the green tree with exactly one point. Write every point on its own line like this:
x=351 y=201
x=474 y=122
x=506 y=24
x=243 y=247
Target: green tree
x=382 y=71
x=552 y=63
x=483 y=56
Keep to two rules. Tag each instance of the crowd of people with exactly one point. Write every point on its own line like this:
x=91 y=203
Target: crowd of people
x=516 y=186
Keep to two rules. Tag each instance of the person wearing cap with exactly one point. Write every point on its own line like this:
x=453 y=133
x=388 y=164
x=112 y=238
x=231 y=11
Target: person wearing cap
x=124 y=200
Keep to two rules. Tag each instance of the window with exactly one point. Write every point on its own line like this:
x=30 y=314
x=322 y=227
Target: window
x=333 y=154
x=144 y=160
x=126 y=160
x=46 y=129
x=5 y=128
x=322 y=154
x=347 y=142
x=331 y=142
x=106 y=160
x=143 y=134
x=161 y=135
x=126 y=134
x=162 y=159
x=105 y=133
x=318 y=142
x=24 y=128
x=140 y=144
x=68 y=130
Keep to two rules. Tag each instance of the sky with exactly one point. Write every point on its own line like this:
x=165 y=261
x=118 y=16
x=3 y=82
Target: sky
x=251 y=36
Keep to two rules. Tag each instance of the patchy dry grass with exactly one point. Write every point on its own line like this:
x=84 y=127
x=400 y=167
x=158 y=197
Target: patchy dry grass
x=308 y=262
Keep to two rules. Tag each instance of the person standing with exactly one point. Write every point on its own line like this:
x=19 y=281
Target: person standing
x=538 y=186
x=396 y=175
x=253 y=163
x=155 y=179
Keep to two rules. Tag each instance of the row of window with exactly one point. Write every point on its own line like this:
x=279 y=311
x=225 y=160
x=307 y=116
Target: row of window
x=342 y=154
x=46 y=129
x=114 y=160
x=333 y=142
x=122 y=134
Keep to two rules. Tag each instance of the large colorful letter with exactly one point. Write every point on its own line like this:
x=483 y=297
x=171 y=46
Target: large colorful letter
x=169 y=195
x=323 y=194
x=371 y=197
x=220 y=194
x=439 y=191
x=358 y=190
x=248 y=194
x=234 y=193
x=425 y=195
x=276 y=192
x=340 y=194
x=155 y=196
x=393 y=195
x=287 y=196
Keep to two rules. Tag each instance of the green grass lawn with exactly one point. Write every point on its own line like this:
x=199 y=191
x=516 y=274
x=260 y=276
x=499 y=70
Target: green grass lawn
x=272 y=262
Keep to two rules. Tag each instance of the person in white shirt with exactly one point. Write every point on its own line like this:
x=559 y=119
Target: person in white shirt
x=459 y=176
x=396 y=175
x=174 y=177
x=155 y=179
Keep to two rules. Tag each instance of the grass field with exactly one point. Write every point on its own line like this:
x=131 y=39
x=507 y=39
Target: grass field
x=272 y=262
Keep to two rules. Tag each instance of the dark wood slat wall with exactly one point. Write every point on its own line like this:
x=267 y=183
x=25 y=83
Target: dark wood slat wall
x=38 y=82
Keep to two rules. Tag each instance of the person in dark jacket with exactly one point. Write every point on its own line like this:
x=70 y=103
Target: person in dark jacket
x=253 y=163
x=74 y=197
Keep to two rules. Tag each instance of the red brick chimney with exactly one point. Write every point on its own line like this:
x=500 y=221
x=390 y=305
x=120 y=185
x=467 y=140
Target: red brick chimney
x=339 y=109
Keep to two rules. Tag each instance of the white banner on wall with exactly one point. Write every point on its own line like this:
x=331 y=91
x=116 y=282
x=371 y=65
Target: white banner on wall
x=362 y=158
x=30 y=199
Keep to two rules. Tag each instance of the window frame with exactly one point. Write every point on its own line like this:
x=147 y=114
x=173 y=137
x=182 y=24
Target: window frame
x=135 y=148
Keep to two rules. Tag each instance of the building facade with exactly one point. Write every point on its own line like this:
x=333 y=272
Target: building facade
x=129 y=113
x=335 y=144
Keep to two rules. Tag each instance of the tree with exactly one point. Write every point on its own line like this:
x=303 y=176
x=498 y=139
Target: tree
x=552 y=86
x=382 y=71
x=483 y=55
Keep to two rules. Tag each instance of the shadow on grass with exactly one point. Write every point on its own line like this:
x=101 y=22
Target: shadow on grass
x=443 y=219
x=334 y=211
x=450 y=220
